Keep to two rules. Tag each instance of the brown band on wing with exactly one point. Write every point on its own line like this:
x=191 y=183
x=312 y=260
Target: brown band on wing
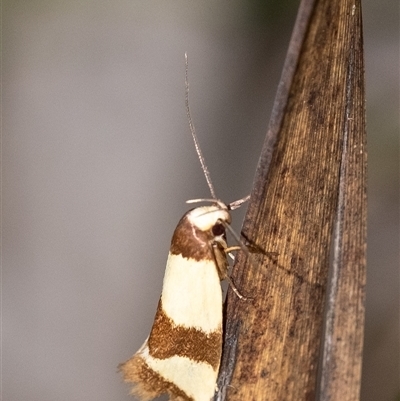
x=148 y=384
x=167 y=339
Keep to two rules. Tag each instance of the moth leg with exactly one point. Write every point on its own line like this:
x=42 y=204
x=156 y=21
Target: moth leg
x=235 y=290
x=229 y=250
x=232 y=248
x=221 y=263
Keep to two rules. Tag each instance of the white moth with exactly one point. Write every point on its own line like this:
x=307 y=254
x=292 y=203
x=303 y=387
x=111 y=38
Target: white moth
x=182 y=354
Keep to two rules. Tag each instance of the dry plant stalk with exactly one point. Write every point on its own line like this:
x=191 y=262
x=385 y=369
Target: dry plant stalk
x=292 y=342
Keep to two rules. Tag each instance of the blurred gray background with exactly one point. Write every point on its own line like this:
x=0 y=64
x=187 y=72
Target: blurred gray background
x=97 y=163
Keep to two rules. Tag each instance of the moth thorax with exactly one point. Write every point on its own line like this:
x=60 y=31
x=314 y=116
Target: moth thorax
x=206 y=217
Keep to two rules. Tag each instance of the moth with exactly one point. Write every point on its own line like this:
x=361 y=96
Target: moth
x=182 y=354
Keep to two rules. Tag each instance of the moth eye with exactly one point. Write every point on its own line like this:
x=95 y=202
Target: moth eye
x=218 y=229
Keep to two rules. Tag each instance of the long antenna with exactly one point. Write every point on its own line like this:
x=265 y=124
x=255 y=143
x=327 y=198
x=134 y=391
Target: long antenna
x=192 y=130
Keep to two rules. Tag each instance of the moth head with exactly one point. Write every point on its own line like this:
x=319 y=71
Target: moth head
x=211 y=219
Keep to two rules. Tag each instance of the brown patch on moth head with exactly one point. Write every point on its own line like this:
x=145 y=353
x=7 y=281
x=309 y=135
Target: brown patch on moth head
x=195 y=233
x=148 y=384
x=190 y=242
x=167 y=339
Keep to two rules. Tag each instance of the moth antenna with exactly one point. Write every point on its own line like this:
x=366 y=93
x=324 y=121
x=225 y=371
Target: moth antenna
x=236 y=204
x=220 y=204
x=193 y=132
x=200 y=200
